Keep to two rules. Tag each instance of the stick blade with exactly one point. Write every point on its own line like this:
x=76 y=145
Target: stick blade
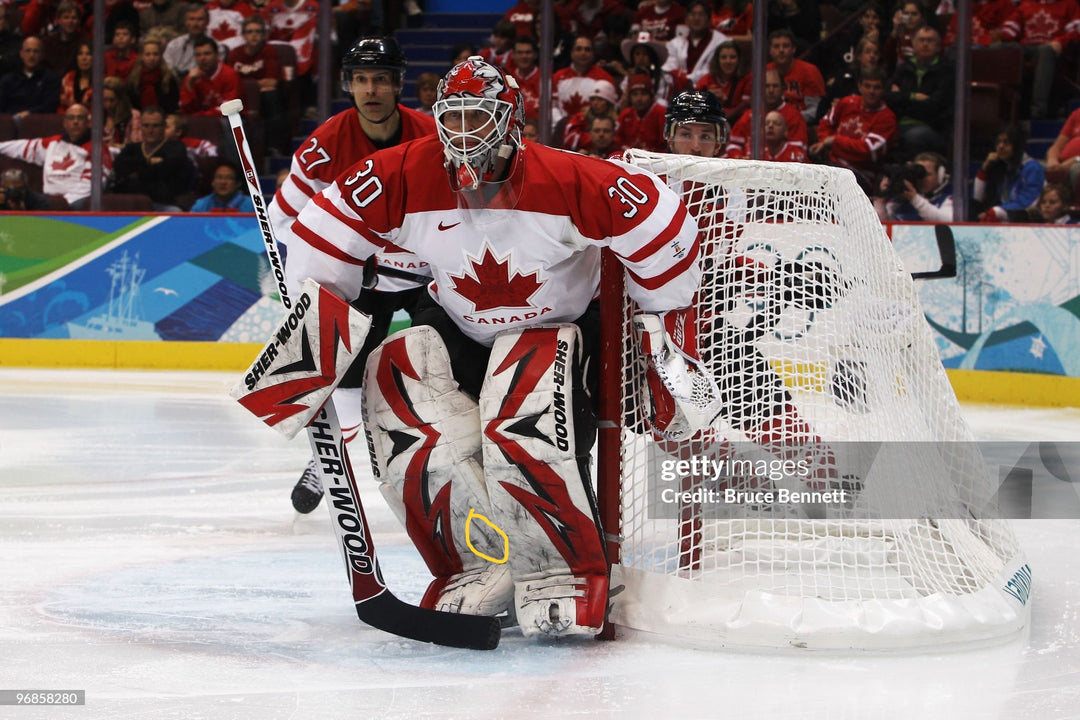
x=946 y=251
x=389 y=614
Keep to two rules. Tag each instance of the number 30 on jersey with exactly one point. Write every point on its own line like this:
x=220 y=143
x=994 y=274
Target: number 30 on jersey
x=364 y=193
x=629 y=195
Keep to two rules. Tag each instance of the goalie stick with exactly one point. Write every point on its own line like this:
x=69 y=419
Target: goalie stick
x=372 y=271
x=375 y=604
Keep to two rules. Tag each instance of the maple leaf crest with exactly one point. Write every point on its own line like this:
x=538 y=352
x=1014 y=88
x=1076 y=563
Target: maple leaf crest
x=1041 y=27
x=64 y=164
x=574 y=103
x=223 y=31
x=475 y=81
x=852 y=127
x=491 y=285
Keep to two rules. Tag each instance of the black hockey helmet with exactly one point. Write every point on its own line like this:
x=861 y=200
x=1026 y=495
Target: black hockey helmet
x=374 y=52
x=696 y=106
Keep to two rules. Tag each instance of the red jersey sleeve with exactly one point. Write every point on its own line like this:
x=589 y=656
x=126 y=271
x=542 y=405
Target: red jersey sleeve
x=647 y=226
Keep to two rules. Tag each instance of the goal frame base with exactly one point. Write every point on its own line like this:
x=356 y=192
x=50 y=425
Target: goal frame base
x=707 y=613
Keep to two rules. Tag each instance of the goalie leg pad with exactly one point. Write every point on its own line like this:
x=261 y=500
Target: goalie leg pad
x=423 y=434
x=538 y=431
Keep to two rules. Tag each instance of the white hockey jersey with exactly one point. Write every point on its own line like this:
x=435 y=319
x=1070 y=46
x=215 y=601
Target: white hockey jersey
x=66 y=168
x=333 y=148
x=537 y=262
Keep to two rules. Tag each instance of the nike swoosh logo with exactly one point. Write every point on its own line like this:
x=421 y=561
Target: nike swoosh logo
x=447 y=227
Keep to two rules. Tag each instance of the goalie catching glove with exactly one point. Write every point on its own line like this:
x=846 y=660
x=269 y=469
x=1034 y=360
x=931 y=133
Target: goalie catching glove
x=683 y=397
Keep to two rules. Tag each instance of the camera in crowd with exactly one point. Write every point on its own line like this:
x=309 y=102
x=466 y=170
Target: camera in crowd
x=893 y=177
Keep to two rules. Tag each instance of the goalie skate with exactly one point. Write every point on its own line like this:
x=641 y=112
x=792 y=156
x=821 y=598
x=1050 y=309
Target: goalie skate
x=308 y=492
x=560 y=605
x=480 y=591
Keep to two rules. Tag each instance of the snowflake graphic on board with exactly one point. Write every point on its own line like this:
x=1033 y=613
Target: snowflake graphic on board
x=491 y=283
x=1037 y=347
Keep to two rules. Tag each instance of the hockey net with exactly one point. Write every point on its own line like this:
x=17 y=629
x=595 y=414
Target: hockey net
x=813 y=331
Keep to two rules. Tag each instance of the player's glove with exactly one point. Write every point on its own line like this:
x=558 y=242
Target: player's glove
x=683 y=397
x=809 y=285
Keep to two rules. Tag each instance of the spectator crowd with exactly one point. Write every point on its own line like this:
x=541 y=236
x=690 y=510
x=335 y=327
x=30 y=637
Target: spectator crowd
x=871 y=90
x=168 y=64
x=859 y=85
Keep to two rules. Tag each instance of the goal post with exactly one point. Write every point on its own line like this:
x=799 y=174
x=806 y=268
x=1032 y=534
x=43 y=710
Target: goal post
x=839 y=501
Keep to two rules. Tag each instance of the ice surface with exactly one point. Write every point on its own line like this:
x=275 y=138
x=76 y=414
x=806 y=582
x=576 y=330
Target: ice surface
x=149 y=555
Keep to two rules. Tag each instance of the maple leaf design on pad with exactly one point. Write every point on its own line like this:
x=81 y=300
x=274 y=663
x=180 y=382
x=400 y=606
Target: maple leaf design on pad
x=491 y=284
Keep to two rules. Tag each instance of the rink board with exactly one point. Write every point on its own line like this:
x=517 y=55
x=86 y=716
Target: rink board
x=196 y=292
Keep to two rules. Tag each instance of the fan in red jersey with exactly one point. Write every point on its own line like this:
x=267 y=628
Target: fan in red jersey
x=372 y=72
x=479 y=417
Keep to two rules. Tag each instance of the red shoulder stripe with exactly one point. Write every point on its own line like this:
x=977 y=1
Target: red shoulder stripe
x=302 y=232
x=674 y=271
x=302 y=186
x=286 y=208
x=360 y=228
x=673 y=229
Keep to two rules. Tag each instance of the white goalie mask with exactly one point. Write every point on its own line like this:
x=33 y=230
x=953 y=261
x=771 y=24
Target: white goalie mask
x=479 y=114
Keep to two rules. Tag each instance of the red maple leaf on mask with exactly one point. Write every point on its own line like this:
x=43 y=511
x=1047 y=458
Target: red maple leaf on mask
x=65 y=163
x=491 y=284
x=469 y=80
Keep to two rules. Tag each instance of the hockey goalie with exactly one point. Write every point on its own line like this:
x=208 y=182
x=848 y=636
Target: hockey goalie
x=480 y=417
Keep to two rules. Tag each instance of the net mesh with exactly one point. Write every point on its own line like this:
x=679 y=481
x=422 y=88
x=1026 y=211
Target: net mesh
x=812 y=329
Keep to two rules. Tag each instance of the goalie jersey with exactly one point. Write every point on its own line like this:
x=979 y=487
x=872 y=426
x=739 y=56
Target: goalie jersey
x=537 y=259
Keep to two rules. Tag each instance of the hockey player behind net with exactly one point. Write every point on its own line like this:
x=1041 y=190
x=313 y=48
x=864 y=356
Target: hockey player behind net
x=754 y=398
x=372 y=73
x=480 y=417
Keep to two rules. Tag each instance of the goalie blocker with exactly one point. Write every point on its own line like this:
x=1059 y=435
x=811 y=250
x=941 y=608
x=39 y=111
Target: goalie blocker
x=303 y=361
x=496 y=495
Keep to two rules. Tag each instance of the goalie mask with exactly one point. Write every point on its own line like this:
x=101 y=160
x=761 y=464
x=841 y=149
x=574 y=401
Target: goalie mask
x=479 y=114
x=695 y=107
